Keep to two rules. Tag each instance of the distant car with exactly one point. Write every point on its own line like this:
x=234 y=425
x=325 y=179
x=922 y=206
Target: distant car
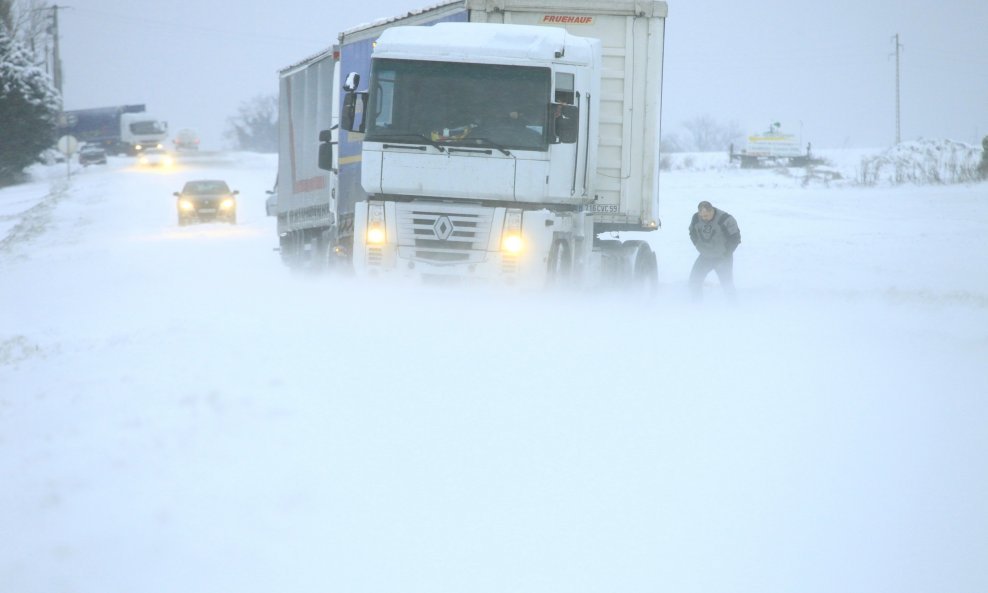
x=92 y=154
x=186 y=139
x=206 y=199
x=152 y=157
x=51 y=156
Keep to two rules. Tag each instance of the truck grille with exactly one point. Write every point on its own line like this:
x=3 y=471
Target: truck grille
x=374 y=256
x=444 y=234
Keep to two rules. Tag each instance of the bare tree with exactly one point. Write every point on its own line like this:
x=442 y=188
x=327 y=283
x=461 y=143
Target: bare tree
x=7 y=15
x=709 y=135
x=27 y=20
x=255 y=127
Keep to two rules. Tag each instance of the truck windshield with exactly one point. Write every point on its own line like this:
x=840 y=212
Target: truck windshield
x=454 y=103
x=147 y=127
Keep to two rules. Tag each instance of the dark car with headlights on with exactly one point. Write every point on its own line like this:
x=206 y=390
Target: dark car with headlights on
x=205 y=200
x=92 y=154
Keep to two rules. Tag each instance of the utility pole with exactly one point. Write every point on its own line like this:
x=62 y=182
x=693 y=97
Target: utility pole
x=57 y=58
x=898 y=129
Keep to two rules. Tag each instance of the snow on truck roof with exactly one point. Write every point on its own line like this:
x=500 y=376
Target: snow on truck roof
x=391 y=19
x=478 y=39
x=383 y=21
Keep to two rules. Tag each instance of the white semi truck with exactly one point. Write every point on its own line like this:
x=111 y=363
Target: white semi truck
x=504 y=140
x=509 y=143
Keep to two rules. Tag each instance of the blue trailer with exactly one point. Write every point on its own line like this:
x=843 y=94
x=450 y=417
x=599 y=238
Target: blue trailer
x=315 y=197
x=356 y=46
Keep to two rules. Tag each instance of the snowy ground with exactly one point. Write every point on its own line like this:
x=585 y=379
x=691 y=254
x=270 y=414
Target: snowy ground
x=178 y=412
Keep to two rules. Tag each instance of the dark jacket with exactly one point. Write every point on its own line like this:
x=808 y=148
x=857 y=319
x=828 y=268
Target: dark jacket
x=717 y=238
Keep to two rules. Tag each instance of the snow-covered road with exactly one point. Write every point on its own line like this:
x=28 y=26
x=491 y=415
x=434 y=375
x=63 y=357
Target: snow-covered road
x=179 y=412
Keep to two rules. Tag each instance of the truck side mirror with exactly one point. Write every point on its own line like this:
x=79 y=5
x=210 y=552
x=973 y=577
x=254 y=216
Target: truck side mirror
x=352 y=82
x=349 y=113
x=325 y=150
x=565 y=121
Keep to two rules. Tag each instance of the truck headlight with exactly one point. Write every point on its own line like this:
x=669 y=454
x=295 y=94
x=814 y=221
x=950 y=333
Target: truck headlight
x=375 y=224
x=512 y=244
x=511 y=241
x=375 y=236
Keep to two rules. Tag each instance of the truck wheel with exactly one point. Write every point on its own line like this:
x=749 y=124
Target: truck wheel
x=612 y=262
x=560 y=263
x=642 y=269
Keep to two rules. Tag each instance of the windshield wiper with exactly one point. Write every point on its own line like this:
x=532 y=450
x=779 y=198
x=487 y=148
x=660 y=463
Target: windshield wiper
x=491 y=143
x=394 y=135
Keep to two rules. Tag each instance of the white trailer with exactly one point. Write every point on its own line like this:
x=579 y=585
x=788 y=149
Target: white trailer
x=452 y=192
x=313 y=230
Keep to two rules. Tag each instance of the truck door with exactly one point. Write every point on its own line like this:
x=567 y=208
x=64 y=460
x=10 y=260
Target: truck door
x=568 y=158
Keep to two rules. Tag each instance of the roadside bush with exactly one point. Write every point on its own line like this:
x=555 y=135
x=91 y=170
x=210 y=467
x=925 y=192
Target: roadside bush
x=983 y=167
x=922 y=162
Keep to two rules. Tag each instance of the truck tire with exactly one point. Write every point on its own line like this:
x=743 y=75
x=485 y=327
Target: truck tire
x=559 y=267
x=612 y=264
x=642 y=268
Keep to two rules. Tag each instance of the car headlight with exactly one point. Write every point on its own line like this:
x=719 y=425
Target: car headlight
x=186 y=205
x=227 y=203
x=511 y=241
x=167 y=161
x=375 y=224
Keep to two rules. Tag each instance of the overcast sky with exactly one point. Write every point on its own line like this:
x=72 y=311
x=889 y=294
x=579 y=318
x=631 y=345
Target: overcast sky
x=826 y=69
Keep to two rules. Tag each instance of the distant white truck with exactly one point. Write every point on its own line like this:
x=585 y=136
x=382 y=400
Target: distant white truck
x=507 y=140
x=186 y=139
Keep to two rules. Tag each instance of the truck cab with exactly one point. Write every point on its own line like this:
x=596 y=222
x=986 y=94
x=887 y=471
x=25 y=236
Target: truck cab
x=476 y=141
x=142 y=130
x=500 y=124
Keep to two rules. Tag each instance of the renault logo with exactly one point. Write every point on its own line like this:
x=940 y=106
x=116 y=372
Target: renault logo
x=443 y=228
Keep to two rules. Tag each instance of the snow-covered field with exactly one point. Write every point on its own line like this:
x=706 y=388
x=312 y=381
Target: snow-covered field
x=179 y=412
